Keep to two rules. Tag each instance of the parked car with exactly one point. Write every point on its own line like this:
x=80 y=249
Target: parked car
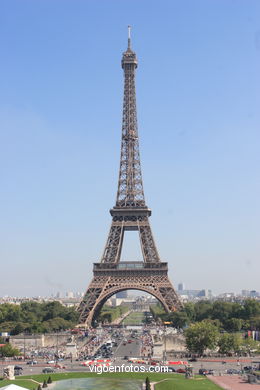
x=247 y=368
x=48 y=370
x=32 y=362
x=203 y=371
x=171 y=369
x=59 y=366
x=50 y=362
x=181 y=370
x=18 y=368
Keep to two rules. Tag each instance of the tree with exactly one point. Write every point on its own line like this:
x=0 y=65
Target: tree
x=201 y=336
x=49 y=380
x=147 y=384
x=233 y=325
x=190 y=311
x=255 y=323
x=249 y=346
x=229 y=343
x=203 y=310
x=251 y=308
x=179 y=319
x=8 y=351
x=44 y=384
x=19 y=328
x=34 y=317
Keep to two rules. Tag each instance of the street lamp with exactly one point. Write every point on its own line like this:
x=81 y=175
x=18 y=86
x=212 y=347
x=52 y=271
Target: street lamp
x=164 y=353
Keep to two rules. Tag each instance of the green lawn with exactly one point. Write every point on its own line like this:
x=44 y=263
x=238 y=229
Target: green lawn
x=175 y=381
x=134 y=318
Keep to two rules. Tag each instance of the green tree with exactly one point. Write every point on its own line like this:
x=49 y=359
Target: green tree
x=201 y=336
x=203 y=310
x=229 y=343
x=190 y=311
x=237 y=310
x=251 y=308
x=19 y=328
x=233 y=325
x=178 y=319
x=49 y=380
x=255 y=323
x=8 y=351
x=221 y=311
x=250 y=346
x=147 y=384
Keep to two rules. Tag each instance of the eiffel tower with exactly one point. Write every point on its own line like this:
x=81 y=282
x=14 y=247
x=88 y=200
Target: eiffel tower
x=129 y=213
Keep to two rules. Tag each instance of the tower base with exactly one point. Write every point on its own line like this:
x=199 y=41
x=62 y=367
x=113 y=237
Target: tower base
x=111 y=278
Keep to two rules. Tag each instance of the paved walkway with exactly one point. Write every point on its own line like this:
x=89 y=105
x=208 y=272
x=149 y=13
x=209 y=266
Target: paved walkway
x=234 y=382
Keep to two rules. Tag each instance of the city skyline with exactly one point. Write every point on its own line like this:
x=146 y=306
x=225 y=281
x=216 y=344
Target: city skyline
x=60 y=121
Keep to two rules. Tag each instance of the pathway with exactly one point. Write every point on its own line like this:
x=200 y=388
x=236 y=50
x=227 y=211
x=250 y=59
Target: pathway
x=234 y=382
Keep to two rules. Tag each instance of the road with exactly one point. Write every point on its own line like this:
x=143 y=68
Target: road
x=129 y=344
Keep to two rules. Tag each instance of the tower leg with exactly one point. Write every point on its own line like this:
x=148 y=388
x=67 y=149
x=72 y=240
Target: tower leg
x=103 y=287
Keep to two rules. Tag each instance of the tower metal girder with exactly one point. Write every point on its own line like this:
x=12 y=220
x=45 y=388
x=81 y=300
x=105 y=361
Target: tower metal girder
x=129 y=213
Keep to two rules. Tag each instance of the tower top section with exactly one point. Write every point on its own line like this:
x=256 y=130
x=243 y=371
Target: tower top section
x=129 y=56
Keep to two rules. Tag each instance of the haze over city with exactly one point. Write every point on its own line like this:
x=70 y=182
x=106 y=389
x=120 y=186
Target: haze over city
x=60 y=126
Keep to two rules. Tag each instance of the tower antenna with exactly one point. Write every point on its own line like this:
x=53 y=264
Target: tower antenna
x=129 y=37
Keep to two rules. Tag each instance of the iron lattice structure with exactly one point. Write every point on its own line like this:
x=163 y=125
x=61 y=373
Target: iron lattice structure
x=129 y=213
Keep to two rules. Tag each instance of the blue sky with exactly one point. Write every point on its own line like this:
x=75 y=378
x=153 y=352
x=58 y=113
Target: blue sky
x=198 y=101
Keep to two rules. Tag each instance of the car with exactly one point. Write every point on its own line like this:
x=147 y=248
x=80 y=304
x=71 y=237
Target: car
x=32 y=362
x=181 y=370
x=50 y=362
x=18 y=368
x=248 y=368
x=211 y=372
x=193 y=360
x=126 y=357
x=18 y=372
x=48 y=370
x=170 y=369
x=60 y=366
x=203 y=371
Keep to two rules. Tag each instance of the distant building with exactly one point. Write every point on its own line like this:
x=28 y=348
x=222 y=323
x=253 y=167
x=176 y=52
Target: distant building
x=69 y=294
x=190 y=295
x=254 y=294
x=79 y=294
x=205 y=293
x=181 y=286
x=245 y=293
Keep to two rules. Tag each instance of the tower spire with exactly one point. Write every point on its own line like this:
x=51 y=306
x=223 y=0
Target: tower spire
x=130 y=185
x=129 y=38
